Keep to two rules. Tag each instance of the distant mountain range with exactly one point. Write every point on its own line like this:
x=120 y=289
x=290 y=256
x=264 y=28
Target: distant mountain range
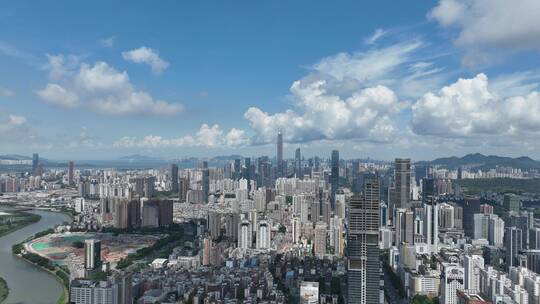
x=14 y=157
x=475 y=160
x=481 y=161
x=138 y=157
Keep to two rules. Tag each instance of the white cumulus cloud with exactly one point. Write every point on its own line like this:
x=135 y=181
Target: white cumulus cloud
x=490 y=25
x=102 y=88
x=13 y=127
x=323 y=116
x=56 y=94
x=207 y=136
x=468 y=108
x=148 y=56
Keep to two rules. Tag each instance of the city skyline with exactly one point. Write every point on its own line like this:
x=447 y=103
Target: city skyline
x=197 y=79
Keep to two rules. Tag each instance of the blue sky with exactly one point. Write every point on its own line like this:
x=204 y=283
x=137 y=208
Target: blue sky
x=99 y=80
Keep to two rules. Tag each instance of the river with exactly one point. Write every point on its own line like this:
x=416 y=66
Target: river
x=28 y=284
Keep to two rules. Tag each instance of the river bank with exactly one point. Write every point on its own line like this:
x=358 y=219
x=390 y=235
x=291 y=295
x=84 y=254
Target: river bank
x=4 y=290
x=20 y=274
x=65 y=294
x=15 y=220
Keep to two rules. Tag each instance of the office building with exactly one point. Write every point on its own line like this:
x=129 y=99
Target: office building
x=92 y=254
x=205 y=181
x=534 y=238
x=513 y=245
x=431 y=223
x=364 y=272
x=35 y=163
x=174 y=178
x=183 y=187
x=511 y=202
x=298 y=164
x=71 y=178
x=279 y=156
x=402 y=173
x=334 y=178
x=471 y=206
x=452 y=280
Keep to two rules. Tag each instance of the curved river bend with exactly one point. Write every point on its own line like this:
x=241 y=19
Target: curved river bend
x=28 y=284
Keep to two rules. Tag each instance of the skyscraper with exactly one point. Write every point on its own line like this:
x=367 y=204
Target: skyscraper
x=71 y=166
x=174 y=178
x=403 y=182
x=334 y=178
x=298 y=164
x=183 y=187
x=244 y=235
x=320 y=239
x=121 y=214
x=431 y=223
x=213 y=223
x=472 y=265
x=263 y=235
x=471 y=205
x=237 y=169
x=35 y=163
x=513 y=245
x=364 y=272
x=205 y=181
x=279 y=155
x=92 y=254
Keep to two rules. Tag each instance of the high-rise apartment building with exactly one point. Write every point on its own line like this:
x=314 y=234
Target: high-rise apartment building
x=264 y=235
x=472 y=265
x=245 y=239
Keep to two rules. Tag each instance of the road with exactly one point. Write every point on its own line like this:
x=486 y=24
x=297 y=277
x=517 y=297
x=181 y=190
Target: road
x=391 y=293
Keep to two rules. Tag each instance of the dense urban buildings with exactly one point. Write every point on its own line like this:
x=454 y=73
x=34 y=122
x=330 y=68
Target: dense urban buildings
x=321 y=232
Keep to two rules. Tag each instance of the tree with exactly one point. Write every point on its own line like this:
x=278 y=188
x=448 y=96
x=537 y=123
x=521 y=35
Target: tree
x=421 y=299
